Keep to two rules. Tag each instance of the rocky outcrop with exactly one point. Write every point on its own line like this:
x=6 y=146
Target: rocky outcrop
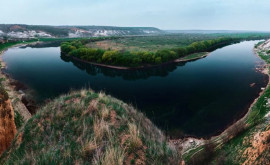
x=7 y=124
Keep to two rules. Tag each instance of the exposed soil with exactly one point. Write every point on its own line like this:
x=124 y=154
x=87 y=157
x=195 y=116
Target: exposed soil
x=7 y=124
x=259 y=143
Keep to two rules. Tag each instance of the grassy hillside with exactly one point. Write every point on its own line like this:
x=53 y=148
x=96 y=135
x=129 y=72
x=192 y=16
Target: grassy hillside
x=85 y=127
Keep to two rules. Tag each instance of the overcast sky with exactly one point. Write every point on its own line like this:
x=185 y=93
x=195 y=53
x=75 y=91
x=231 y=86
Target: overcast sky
x=164 y=14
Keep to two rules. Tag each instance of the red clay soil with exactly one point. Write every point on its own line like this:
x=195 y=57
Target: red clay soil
x=258 y=152
x=7 y=124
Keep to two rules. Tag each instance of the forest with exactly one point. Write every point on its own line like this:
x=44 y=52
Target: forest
x=129 y=58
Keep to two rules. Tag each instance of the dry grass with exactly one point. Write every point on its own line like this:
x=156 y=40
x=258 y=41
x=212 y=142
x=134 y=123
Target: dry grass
x=89 y=148
x=104 y=112
x=134 y=141
x=113 y=156
x=101 y=95
x=101 y=128
x=83 y=93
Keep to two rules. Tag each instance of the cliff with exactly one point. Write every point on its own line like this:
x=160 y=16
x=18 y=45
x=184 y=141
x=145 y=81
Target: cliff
x=7 y=124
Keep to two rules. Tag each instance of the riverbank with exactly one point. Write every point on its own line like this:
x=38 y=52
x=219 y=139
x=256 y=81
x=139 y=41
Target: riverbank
x=16 y=97
x=251 y=146
x=191 y=57
x=199 y=150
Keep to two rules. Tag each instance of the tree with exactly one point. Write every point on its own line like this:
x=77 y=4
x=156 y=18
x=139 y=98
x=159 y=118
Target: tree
x=111 y=57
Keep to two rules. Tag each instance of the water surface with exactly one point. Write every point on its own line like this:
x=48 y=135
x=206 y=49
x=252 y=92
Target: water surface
x=197 y=98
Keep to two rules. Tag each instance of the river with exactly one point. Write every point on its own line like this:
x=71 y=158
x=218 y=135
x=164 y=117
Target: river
x=198 y=98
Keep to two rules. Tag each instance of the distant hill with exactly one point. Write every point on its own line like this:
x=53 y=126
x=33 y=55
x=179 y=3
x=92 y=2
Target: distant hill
x=213 y=31
x=31 y=31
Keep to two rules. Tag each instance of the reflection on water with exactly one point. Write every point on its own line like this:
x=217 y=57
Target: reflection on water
x=125 y=74
x=198 y=98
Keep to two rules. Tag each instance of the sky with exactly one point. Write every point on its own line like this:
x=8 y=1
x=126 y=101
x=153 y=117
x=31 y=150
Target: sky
x=163 y=14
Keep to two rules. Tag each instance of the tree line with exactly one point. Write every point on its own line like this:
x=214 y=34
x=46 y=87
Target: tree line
x=78 y=49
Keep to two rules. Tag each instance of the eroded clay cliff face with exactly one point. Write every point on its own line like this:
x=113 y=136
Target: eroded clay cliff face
x=7 y=124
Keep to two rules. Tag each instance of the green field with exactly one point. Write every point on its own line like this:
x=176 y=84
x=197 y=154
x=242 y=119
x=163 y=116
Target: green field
x=159 y=42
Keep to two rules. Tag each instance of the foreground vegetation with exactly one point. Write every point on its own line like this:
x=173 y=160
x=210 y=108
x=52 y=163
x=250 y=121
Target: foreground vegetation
x=85 y=127
x=120 y=56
